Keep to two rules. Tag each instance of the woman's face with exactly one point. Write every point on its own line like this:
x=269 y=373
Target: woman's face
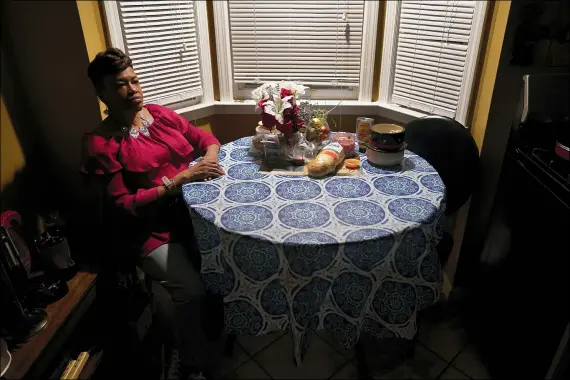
x=122 y=91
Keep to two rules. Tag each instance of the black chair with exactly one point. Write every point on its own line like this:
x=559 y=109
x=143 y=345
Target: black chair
x=450 y=149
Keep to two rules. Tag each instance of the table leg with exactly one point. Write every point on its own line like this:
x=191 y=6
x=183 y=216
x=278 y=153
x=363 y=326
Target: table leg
x=361 y=363
x=392 y=353
x=230 y=344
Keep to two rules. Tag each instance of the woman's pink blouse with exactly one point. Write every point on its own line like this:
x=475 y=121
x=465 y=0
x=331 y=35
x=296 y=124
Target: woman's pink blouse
x=134 y=167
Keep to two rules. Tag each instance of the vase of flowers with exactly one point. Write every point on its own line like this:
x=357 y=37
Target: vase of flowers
x=280 y=112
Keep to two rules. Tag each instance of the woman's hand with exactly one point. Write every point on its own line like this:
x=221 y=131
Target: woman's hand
x=211 y=158
x=212 y=154
x=202 y=170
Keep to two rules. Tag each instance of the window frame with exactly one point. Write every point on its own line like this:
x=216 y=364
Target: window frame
x=230 y=91
x=115 y=33
x=389 y=46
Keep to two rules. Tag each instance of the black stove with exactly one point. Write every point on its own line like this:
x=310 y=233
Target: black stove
x=555 y=167
x=522 y=279
x=551 y=171
x=529 y=281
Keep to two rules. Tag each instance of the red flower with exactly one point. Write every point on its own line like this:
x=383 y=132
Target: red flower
x=286 y=128
x=286 y=92
x=291 y=122
x=268 y=120
x=261 y=103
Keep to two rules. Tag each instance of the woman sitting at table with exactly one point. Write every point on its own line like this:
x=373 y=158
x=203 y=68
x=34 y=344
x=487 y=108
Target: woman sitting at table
x=140 y=153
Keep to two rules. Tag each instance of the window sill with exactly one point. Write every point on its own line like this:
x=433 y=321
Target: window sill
x=397 y=113
x=347 y=107
x=197 y=111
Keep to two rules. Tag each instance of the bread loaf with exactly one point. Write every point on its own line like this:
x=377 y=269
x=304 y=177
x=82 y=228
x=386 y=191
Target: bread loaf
x=326 y=161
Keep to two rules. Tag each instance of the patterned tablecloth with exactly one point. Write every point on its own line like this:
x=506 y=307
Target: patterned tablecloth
x=349 y=254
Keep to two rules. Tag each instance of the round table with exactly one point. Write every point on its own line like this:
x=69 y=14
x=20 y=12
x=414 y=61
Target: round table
x=350 y=254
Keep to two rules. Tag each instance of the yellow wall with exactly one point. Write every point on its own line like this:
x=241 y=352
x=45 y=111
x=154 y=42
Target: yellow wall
x=496 y=26
x=55 y=104
x=93 y=30
x=378 y=52
x=11 y=155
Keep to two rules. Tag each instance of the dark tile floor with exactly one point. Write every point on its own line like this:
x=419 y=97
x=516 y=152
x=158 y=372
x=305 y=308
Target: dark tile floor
x=443 y=351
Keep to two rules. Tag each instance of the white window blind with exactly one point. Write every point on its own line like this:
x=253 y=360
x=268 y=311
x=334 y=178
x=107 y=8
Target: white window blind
x=161 y=39
x=318 y=43
x=431 y=53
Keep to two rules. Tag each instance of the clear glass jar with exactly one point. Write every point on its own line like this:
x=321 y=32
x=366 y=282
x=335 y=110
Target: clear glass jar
x=256 y=147
x=271 y=143
x=289 y=146
x=306 y=149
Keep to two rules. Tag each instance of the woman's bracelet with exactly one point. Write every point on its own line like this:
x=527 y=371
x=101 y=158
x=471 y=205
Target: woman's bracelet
x=169 y=185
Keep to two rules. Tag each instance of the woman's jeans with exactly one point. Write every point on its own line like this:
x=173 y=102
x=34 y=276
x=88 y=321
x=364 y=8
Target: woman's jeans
x=170 y=266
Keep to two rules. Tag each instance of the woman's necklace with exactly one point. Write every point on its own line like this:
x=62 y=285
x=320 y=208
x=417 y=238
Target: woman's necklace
x=134 y=132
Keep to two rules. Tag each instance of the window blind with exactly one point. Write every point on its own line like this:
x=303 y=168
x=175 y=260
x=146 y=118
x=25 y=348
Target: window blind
x=317 y=43
x=432 y=45
x=161 y=39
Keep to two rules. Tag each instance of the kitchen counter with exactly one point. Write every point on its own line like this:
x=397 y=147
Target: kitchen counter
x=32 y=358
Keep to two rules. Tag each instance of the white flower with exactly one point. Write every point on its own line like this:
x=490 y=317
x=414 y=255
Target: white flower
x=262 y=92
x=271 y=92
x=258 y=94
x=296 y=88
x=276 y=107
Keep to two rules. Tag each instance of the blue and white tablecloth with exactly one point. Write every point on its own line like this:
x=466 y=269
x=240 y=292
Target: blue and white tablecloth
x=349 y=254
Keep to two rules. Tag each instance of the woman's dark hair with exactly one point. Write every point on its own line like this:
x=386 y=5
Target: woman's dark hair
x=109 y=62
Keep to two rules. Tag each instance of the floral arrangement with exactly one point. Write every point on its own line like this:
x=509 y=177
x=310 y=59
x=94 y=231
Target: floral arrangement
x=278 y=105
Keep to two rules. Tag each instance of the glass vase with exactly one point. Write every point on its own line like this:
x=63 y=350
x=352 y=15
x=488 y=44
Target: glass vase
x=307 y=149
x=289 y=147
x=272 y=146
x=256 y=147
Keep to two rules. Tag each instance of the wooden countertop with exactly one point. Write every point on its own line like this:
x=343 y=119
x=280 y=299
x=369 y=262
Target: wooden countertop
x=32 y=357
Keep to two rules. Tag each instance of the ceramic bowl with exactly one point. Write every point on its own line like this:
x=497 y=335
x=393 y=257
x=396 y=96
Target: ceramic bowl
x=387 y=137
x=381 y=157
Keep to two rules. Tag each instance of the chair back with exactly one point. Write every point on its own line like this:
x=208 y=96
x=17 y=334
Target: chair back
x=450 y=149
